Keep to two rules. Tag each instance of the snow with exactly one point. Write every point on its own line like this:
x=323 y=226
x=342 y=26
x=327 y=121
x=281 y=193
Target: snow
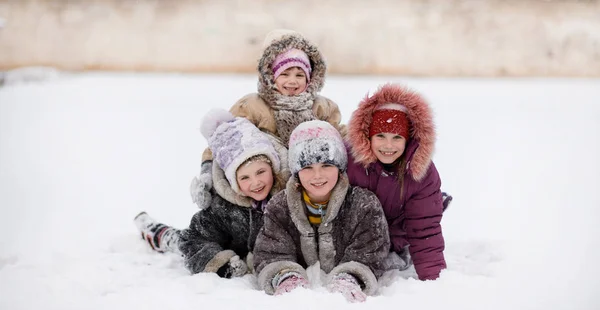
x=81 y=155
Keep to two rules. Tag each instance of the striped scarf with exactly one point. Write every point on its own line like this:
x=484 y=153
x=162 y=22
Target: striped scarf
x=316 y=210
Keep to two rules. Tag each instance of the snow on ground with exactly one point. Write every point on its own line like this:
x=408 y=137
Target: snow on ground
x=81 y=155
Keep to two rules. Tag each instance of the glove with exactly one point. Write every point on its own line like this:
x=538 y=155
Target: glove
x=397 y=261
x=347 y=285
x=289 y=282
x=446 y=200
x=236 y=267
x=201 y=186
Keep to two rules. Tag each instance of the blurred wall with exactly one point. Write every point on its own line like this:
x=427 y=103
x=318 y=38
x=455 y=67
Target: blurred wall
x=418 y=37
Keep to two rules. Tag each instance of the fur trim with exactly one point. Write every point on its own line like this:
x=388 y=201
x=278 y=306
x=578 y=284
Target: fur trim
x=212 y=119
x=361 y=272
x=225 y=190
x=278 y=34
x=278 y=44
x=250 y=262
x=265 y=277
x=419 y=114
x=324 y=251
x=219 y=260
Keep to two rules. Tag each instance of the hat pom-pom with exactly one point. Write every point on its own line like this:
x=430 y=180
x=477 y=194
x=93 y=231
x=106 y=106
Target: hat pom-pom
x=213 y=119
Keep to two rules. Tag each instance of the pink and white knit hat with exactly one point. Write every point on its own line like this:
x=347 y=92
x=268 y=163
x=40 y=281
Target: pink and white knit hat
x=292 y=58
x=316 y=142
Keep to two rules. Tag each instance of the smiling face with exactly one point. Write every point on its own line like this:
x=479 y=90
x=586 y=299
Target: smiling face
x=255 y=179
x=291 y=82
x=318 y=180
x=387 y=147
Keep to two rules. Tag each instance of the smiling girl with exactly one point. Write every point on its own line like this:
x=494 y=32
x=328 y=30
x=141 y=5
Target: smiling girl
x=291 y=73
x=221 y=237
x=392 y=136
x=320 y=218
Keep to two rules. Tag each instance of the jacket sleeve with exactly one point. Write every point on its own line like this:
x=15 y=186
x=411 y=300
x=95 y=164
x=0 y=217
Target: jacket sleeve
x=423 y=213
x=275 y=249
x=369 y=244
x=202 y=243
x=327 y=110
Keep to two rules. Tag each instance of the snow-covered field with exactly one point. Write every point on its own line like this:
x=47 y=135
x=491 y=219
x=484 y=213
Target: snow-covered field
x=81 y=155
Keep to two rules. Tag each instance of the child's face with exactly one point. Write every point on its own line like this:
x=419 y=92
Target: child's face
x=255 y=179
x=291 y=82
x=387 y=147
x=318 y=180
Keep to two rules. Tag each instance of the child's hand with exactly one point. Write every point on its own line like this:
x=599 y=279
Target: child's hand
x=201 y=186
x=347 y=285
x=236 y=267
x=290 y=283
x=395 y=261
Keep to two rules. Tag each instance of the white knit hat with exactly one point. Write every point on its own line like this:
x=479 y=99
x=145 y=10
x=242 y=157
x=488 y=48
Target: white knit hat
x=316 y=142
x=233 y=140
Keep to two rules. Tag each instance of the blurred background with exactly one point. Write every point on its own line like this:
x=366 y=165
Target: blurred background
x=453 y=38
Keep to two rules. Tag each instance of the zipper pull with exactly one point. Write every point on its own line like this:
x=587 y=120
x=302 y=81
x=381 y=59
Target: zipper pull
x=321 y=213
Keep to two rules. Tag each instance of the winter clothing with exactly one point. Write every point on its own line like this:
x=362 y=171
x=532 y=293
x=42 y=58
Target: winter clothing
x=316 y=142
x=289 y=282
x=160 y=237
x=228 y=227
x=347 y=285
x=390 y=118
x=316 y=210
x=413 y=211
x=351 y=239
x=235 y=140
x=278 y=114
x=219 y=233
x=201 y=186
x=292 y=58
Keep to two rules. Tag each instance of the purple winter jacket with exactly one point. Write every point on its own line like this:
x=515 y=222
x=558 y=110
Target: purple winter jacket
x=413 y=219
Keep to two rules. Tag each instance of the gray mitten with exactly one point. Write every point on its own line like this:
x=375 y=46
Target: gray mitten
x=397 y=261
x=234 y=268
x=201 y=186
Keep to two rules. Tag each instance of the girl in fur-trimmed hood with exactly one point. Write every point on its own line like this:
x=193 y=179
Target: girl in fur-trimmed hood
x=291 y=73
x=320 y=218
x=391 y=136
x=251 y=167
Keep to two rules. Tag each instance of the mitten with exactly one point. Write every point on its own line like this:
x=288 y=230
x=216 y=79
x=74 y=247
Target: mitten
x=288 y=282
x=446 y=200
x=395 y=261
x=201 y=186
x=347 y=285
x=236 y=267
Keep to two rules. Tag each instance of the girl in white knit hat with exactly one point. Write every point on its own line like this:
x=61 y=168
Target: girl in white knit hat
x=250 y=169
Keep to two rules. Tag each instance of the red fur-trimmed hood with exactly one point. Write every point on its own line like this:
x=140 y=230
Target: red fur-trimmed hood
x=420 y=116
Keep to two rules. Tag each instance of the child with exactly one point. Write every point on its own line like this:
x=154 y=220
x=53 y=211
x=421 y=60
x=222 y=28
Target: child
x=248 y=173
x=320 y=218
x=391 y=137
x=291 y=72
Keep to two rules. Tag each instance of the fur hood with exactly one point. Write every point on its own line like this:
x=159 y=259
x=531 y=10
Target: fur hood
x=223 y=188
x=422 y=129
x=279 y=41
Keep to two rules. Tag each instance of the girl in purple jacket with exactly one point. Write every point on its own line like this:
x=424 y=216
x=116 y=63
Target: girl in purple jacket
x=391 y=137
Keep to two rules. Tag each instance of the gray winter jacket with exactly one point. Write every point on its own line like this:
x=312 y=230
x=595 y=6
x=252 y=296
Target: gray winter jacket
x=352 y=238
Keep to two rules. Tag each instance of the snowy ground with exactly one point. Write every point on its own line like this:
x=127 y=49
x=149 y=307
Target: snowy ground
x=80 y=155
